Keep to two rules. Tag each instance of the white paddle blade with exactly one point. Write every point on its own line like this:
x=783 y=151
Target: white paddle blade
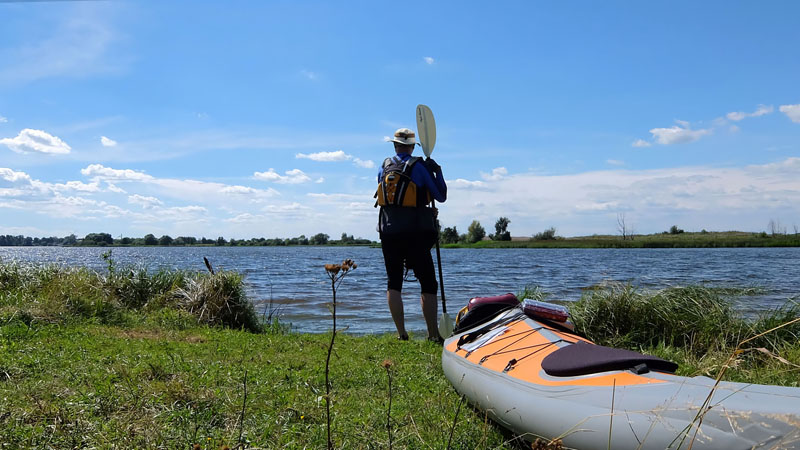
x=426 y=129
x=445 y=326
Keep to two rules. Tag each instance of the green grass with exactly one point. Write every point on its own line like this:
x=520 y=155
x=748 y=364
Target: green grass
x=124 y=359
x=147 y=386
x=132 y=359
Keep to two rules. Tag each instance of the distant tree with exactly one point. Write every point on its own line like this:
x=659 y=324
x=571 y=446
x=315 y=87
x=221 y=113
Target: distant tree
x=149 y=239
x=70 y=240
x=98 y=239
x=319 y=239
x=165 y=240
x=624 y=227
x=126 y=241
x=500 y=230
x=475 y=232
x=675 y=230
x=546 y=235
x=185 y=240
x=775 y=227
x=347 y=239
x=220 y=241
x=449 y=235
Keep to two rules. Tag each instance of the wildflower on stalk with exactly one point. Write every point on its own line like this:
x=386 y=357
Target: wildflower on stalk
x=336 y=272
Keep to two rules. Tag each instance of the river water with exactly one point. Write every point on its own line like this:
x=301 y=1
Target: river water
x=293 y=280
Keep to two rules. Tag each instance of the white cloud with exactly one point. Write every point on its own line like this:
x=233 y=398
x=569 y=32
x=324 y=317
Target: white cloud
x=107 y=142
x=13 y=176
x=24 y=185
x=640 y=143
x=290 y=211
x=144 y=202
x=429 y=60
x=787 y=166
x=294 y=176
x=497 y=174
x=107 y=173
x=114 y=188
x=338 y=155
x=678 y=134
x=699 y=197
x=294 y=206
x=36 y=141
x=238 y=190
x=186 y=190
x=792 y=112
x=192 y=209
x=77 y=186
x=615 y=162
x=3 y=119
x=760 y=111
x=368 y=164
x=338 y=196
x=465 y=184
x=245 y=218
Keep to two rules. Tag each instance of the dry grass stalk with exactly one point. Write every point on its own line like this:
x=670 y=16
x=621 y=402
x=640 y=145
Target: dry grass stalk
x=698 y=419
x=387 y=364
x=336 y=273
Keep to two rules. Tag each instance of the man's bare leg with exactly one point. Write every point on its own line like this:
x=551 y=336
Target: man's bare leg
x=429 y=311
x=395 y=300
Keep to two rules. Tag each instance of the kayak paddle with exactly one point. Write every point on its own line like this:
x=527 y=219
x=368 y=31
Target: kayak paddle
x=426 y=129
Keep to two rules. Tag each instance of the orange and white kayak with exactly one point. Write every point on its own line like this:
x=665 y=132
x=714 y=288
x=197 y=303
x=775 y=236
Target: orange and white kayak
x=538 y=379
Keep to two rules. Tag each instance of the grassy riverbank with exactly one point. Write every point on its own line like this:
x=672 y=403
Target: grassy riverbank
x=170 y=359
x=710 y=239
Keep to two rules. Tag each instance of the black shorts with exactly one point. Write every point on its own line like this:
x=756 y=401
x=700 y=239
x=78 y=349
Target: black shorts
x=413 y=250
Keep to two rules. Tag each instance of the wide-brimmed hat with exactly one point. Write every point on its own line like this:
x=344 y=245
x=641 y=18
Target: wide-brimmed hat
x=404 y=136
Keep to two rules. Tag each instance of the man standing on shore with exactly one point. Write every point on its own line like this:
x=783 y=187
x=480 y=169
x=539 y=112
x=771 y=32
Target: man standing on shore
x=408 y=228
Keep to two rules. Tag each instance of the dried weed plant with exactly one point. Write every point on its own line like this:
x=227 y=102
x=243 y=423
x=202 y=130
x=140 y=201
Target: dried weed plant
x=336 y=273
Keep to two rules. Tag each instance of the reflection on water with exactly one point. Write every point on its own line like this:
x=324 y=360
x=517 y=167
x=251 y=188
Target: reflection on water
x=293 y=281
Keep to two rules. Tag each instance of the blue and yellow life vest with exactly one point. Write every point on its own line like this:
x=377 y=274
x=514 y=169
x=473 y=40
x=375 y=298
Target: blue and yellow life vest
x=396 y=187
x=404 y=205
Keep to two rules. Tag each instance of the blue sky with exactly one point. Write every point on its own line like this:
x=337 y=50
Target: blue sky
x=252 y=119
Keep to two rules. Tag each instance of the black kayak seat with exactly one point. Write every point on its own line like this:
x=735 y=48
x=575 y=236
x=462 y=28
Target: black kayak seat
x=480 y=314
x=583 y=358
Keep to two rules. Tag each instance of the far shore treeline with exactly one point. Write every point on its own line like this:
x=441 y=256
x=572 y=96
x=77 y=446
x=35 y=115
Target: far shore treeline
x=475 y=237
x=105 y=239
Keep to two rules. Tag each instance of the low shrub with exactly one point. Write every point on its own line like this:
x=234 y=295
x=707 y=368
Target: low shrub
x=219 y=299
x=546 y=235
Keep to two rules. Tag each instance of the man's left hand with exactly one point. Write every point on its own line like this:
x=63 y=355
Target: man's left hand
x=432 y=166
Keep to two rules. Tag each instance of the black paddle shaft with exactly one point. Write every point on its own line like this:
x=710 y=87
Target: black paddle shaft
x=439 y=259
